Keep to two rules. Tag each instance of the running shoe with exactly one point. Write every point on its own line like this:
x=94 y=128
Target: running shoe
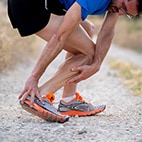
x=79 y=107
x=45 y=111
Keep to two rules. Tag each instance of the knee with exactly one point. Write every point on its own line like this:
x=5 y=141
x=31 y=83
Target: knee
x=89 y=27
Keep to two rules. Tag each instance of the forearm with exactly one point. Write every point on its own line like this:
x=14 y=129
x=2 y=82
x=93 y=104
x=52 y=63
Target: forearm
x=105 y=37
x=51 y=50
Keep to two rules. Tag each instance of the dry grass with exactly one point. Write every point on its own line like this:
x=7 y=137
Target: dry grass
x=14 y=49
x=131 y=73
x=128 y=32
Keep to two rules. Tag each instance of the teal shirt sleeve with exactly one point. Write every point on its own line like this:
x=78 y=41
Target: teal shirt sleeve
x=93 y=7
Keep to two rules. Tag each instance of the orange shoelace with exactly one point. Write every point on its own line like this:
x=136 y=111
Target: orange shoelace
x=80 y=98
x=50 y=97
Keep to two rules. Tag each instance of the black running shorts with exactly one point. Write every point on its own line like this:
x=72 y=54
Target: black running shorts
x=28 y=16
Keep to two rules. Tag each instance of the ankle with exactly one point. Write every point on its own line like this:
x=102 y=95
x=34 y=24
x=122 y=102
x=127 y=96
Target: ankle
x=68 y=99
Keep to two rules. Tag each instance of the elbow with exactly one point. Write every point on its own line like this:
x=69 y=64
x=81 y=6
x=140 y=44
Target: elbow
x=56 y=43
x=60 y=37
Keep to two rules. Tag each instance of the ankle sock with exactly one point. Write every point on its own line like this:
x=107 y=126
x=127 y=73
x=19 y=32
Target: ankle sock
x=67 y=99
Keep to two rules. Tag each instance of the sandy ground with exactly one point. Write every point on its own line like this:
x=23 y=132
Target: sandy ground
x=120 y=122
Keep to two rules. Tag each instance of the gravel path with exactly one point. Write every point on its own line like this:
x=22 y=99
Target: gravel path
x=120 y=122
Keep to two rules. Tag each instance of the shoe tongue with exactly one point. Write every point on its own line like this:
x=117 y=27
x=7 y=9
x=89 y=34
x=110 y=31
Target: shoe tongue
x=50 y=98
x=78 y=97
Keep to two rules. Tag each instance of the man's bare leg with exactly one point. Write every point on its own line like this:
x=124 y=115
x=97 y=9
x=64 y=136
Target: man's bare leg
x=82 y=51
x=78 y=44
x=64 y=73
x=70 y=89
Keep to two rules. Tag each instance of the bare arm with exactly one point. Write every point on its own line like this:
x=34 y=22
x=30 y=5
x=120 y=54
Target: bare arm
x=55 y=45
x=105 y=37
x=57 y=41
x=103 y=43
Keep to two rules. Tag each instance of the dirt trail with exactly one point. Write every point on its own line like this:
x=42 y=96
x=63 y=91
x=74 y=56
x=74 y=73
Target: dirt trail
x=120 y=122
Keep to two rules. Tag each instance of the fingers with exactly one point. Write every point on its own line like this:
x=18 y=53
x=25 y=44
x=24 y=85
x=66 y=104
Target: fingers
x=84 y=72
x=77 y=78
x=31 y=89
x=76 y=69
x=23 y=97
x=39 y=97
x=24 y=94
x=32 y=99
x=21 y=94
x=74 y=80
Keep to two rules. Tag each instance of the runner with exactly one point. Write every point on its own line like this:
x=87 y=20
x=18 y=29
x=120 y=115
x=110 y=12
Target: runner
x=63 y=24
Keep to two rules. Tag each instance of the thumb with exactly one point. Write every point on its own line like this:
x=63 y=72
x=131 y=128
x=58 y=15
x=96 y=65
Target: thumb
x=75 y=69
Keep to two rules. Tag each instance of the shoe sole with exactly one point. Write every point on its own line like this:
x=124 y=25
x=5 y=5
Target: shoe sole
x=42 y=113
x=81 y=113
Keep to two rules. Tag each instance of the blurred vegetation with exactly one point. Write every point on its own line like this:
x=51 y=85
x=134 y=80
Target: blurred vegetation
x=14 y=49
x=128 y=32
x=131 y=73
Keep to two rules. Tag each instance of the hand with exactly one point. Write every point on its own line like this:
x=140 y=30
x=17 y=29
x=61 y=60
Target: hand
x=115 y=6
x=84 y=72
x=30 y=89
